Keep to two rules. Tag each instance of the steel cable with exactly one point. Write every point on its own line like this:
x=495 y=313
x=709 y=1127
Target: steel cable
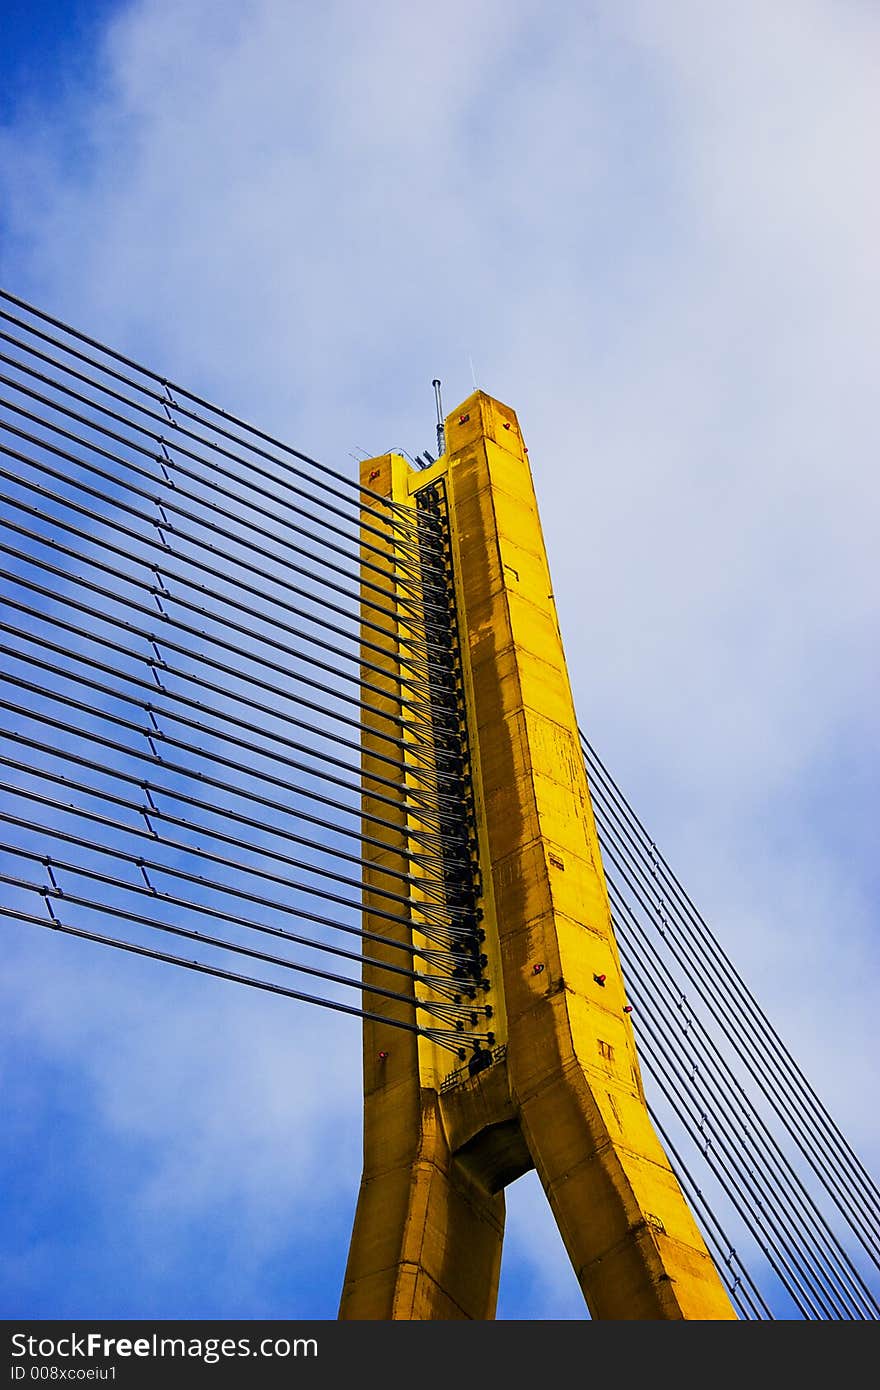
x=737 y=1013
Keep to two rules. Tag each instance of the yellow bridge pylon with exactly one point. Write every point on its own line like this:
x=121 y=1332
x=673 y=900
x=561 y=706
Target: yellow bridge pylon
x=556 y=1083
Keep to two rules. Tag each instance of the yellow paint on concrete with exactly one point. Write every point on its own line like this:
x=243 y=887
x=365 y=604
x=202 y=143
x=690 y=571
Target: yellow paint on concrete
x=427 y=1238
x=567 y=1097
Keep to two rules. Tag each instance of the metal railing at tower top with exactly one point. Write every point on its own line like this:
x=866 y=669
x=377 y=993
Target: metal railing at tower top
x=192 y=634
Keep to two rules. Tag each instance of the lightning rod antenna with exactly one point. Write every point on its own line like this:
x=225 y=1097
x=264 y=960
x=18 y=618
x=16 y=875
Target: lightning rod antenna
x=441 y=442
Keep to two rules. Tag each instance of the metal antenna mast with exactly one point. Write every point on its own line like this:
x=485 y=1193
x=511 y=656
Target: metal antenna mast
x=441 y=440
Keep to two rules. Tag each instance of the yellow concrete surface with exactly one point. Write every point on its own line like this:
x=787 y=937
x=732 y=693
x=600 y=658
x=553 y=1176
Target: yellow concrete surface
x=426 y=1242
x=564 y=1094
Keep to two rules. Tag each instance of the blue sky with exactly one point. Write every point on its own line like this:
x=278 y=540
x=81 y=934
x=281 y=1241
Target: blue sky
x=652 y=230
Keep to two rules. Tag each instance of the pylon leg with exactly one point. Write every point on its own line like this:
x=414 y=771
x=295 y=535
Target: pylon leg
x=427 y=1240
x=634 y=1247
x=573 y=1071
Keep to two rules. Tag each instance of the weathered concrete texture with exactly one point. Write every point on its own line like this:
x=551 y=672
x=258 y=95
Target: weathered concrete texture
x=567 y=1098
x=427 y=1238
